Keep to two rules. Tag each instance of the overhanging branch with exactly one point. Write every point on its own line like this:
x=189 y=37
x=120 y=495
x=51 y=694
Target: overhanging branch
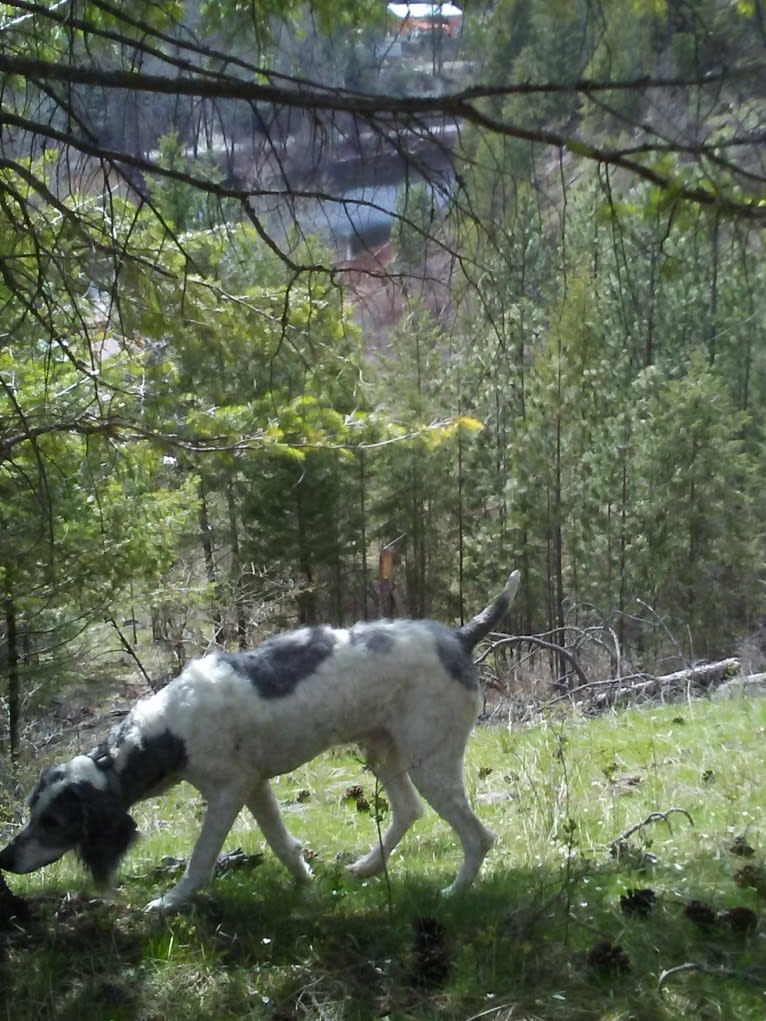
x=464 y=106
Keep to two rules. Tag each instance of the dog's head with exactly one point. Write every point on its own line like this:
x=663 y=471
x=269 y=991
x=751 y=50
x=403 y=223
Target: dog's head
x=73 y=807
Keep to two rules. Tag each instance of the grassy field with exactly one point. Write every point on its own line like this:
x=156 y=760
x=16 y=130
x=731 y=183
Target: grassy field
x=550 y=931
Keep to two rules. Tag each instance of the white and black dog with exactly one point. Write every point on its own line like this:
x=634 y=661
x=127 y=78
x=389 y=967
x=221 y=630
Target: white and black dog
x=406 y=691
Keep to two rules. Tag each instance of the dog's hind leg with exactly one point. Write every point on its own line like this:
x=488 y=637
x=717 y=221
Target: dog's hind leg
x=219 y=818
x=406 y=806
x=439 y=779
x=285 y=846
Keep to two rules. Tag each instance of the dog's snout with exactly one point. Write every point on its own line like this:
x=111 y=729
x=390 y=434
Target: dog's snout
x=27 y=853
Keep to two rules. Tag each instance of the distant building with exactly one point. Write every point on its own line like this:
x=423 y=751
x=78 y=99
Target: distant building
x=411 y=20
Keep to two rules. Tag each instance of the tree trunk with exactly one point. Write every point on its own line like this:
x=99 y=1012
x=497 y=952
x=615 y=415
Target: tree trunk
x=210 y=567
x=713 y=293
x=460 y=529
x=562 y=667
x=363 y=532
x=14 y=698
x=306 y=599
x=236 y=571
x=623 y=566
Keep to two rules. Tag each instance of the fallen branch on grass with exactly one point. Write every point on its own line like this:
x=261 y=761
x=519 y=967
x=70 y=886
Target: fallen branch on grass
x=491 y=1010
x=624 y=683
x=596 y=695
x=754 y=976
x=653 y=817
x=599 y=694
x=704 y=676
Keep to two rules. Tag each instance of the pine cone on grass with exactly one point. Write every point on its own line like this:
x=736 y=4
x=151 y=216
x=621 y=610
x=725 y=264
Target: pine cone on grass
x=433 y=955
x=638 y=902
x=609 y=959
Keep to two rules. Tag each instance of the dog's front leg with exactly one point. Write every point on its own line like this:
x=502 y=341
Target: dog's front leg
x=285 y=846
x=219 y=818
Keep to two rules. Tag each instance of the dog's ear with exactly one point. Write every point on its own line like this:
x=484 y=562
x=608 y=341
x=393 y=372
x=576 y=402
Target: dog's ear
x=107 y=833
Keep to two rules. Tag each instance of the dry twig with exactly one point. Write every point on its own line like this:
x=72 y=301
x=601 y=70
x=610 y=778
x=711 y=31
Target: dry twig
x=756 y=977
x=652 y=817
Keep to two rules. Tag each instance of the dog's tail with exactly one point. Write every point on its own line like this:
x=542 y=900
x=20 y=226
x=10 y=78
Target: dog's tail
x=472 y=632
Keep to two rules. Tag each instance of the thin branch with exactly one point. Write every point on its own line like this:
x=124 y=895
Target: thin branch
x=126 y=430
x=652 y=817
x=128 y=648
x=325 y=97
x=747 y=975
x=379 y=829
x=502 y=643
x=462 y=105
x=491 y=1010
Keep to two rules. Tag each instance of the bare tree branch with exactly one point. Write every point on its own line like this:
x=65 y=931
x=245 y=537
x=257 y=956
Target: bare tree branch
x=463 y=106
x=653 y=817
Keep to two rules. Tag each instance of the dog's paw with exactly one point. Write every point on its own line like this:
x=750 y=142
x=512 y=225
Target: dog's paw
x=162 y=905
x=369 y=865
x=303 y=873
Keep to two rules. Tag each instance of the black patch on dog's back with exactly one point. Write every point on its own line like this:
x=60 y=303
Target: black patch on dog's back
x=148 y=764
x=374 y=637
x=452 y=654
x=277 y=666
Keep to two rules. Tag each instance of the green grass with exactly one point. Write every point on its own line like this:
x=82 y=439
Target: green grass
x=517 y=945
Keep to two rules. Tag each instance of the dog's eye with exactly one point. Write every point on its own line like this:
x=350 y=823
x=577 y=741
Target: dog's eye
x=48 y=822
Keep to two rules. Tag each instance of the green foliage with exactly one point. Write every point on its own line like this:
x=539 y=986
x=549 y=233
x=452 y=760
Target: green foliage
x=569 y=474
x=416 y=495
x=84 y=516
x=414 y=225
x=696 y=505
x=562 y=460
x=181 y=205
x=232 y=17
x=195 y=368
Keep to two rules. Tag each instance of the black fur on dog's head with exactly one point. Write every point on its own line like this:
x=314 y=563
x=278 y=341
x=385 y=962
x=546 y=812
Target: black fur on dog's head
x=74 y=807
x=108 y=830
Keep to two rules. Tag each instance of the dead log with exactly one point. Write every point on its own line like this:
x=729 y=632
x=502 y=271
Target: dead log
x=742 y=686
x=702 y=677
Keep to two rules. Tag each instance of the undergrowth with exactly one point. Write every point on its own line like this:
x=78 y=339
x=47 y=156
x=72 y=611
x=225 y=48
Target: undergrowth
x=627 y=884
